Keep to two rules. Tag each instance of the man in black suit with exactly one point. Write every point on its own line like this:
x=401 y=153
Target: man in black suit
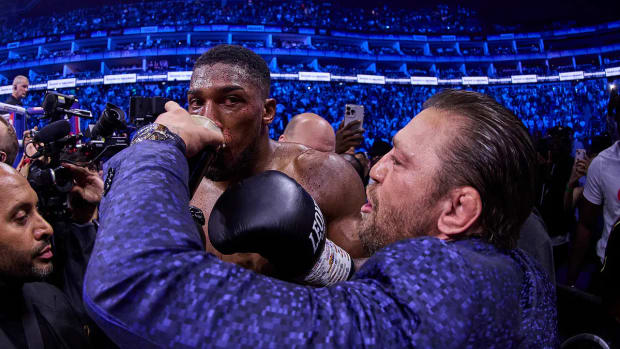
x=34 y=314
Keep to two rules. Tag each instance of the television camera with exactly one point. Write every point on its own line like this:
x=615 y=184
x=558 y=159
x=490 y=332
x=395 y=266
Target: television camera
x=56 y=145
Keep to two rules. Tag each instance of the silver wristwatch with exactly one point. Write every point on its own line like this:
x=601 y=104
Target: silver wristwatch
x=155 y=132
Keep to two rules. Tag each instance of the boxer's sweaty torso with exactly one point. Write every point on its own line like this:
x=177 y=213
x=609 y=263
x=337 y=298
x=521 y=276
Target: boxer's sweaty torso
x=315 y=172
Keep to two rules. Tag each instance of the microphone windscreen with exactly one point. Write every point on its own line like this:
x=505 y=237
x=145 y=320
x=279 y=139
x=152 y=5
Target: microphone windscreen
x=53 y=132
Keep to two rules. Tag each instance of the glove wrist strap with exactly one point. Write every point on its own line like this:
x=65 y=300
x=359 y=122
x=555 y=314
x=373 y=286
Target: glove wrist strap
x=333 y=265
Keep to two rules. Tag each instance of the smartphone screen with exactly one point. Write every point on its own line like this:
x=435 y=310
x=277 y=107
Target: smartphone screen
x=580 y=154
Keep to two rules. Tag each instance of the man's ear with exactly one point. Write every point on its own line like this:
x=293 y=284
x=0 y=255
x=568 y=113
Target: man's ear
x=460 y=210
x=270 y=111
x=3 y=155
x=282 y=138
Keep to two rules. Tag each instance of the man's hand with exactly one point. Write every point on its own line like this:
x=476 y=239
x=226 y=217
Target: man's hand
x=580 y=168
x=85 y=194
x=88 y=185
x=195 y=136
x=348 y=136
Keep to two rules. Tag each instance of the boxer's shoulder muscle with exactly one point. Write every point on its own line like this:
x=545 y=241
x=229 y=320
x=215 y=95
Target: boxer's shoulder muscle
x=339 y=192
x=328 y=175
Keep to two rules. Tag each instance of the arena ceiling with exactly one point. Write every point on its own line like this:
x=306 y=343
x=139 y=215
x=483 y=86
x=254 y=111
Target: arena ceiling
x=531 y=14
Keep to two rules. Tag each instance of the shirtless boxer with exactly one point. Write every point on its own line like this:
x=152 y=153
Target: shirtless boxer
x=230 y=85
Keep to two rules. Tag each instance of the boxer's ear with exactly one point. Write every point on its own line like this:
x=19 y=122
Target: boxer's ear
x=269 y=111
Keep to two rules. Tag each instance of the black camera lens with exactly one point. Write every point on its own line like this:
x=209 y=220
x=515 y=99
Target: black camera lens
x=63 y=179
x=40 y=177
x=112 y=119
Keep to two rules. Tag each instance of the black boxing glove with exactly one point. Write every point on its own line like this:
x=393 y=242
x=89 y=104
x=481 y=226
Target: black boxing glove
x=272 y=215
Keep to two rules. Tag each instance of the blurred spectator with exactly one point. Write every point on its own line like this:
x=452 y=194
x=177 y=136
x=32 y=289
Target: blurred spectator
x=349 y=137
x=555 y=163
x=574 y=187
x=601 y=195
x=288 y=14
x=580 y=105
x=20 y=90
x=610 y=280
x=362 y=157
x=378 y=150
x=534 y=239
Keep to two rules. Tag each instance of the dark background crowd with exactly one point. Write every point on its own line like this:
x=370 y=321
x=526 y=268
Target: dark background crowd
x=580 y=106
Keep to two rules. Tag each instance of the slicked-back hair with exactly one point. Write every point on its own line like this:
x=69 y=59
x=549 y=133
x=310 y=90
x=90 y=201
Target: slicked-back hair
x=235 y=55
x=493 y=153
x=8 y=141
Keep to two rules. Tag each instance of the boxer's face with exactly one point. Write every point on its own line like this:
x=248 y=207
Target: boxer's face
x=25 y=251
x=227 y=95
x=402 y=199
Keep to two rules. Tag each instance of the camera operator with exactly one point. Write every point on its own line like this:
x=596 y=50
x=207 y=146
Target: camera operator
x=20 y=90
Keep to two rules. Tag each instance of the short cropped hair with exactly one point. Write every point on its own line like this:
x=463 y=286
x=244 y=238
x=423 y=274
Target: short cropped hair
x=493 y=153
x=18 y=78
x=242 y=57
x=8 y=141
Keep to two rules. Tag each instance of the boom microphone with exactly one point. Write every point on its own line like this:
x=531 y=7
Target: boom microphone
x=53 y=132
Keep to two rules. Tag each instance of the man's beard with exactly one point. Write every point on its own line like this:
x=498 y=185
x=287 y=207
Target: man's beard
x=219 y=170
x=385 y=225
x=17 y=267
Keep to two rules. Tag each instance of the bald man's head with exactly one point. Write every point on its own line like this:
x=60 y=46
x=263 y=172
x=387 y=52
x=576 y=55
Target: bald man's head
x=25 y=249
x=310 y=130
x=9 y=146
